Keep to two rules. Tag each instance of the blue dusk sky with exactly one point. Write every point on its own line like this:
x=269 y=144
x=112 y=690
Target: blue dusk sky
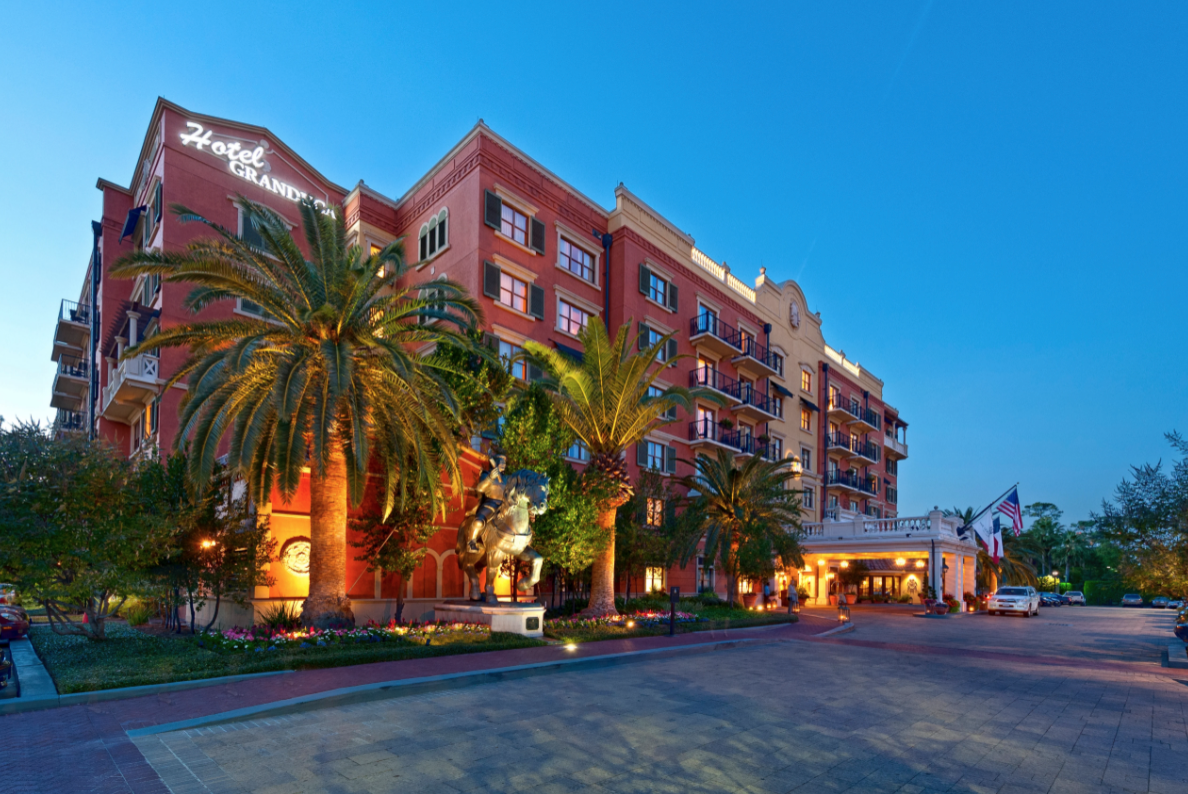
x=986 y=202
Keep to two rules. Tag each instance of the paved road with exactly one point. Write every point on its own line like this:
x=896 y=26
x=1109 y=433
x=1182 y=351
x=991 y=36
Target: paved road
x=791 y=716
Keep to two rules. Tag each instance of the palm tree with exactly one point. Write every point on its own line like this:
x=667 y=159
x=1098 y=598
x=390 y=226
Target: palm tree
x=604 y=400
x=328 y=376
x=1075 y=543
x=733 y=506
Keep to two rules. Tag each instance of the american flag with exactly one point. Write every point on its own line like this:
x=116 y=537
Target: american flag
x=1009 y=507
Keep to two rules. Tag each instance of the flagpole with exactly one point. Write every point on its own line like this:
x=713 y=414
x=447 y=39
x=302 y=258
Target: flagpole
x=992 y=503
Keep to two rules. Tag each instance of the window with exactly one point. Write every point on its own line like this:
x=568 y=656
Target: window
x=250 y=307
x=434 y=235
x=578 y=451
x=249 y=234
x=835 y=397
x=571 y=319
x=654 y=580
x=514 y=224
x=705 y=575
x=806 y=419
x=436 y=306
x=777 y=361
x=657 y=288
x=650 y=337
x=809 y=498
x=806 y=381
x=656 y=391
x=656 y=456
x=577 y=260
x=154 y=412
x=854 y=505
x=892 y=467
x=806 y=459
x=655 y=512
x=513 y=292
x=777 y=406
x=833 y=502
x=508 y=351
x=775 y=449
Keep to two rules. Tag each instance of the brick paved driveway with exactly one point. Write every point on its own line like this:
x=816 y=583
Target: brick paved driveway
x=794 y=716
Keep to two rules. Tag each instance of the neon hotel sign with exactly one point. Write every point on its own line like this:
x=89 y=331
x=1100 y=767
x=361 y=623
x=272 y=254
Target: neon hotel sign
x=247 y=164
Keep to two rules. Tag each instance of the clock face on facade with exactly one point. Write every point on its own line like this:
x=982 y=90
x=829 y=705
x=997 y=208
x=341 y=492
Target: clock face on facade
x=794 y=314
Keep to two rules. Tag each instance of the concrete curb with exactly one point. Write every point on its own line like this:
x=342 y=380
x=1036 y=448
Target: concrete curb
x=438 y=683
x=47 y=701
x=845 y=628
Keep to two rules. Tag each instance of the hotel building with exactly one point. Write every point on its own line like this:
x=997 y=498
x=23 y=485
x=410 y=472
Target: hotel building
x=542 y=259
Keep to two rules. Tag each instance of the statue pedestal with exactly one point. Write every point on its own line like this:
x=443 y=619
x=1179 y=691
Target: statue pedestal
x=526 y=619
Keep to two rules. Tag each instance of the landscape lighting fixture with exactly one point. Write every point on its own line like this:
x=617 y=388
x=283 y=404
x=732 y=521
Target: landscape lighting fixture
x=570 y=646
x=900 y=562
x=919 y=563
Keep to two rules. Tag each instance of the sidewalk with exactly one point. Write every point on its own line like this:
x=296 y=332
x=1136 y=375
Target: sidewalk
x=85 y=748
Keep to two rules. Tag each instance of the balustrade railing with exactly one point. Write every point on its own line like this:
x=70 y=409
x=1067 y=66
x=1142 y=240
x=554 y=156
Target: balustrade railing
x=712 y=379
x=74 y=312
x=710 y=324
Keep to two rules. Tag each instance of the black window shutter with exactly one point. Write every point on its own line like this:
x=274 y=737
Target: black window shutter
x=493 y=210
x=491 y=341
x=643 y=337
x=672 y=350
x=671 y=413
x=424 y=247
x=441 y=233
x=670 y=459
x=672 y=296
x=641 y=453
x=536 y=304
x=645 y=278
x=536 y=241
x=491 y=275
x=534 y=372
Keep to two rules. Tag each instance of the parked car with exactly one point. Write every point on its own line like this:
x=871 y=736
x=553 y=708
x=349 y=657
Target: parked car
x=1160 y=602
x=1050 y=600
x=1075 y=597
x=1024 y=600
x=1177 y=604
x=1181 y=629
x=13 y=624
x=1132 y=600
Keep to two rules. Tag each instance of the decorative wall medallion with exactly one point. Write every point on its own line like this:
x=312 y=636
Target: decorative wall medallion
x=295 y=555
x=794 y=314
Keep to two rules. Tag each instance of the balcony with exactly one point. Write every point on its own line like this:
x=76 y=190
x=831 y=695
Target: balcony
x=840 y=443
x=707 y=331
x=892 y=495
x=707 y=433
x=865 y=450
x=851 y=481
x=895 y=449
x=724 y=385
x=754 y=404
x=842 y=410
x=865 y=420
x=73 y=332
x=130 y=387
x=70 y=421
x=71 y=383
x=757 y=359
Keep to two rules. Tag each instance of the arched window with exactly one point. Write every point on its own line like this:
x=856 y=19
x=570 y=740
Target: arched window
x=435 y=234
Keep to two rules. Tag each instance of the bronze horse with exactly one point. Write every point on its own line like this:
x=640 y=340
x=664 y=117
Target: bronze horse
x=487 y=543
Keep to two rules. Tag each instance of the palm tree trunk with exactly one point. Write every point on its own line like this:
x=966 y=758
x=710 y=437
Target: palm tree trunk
x=602 y=579
x=327 y=605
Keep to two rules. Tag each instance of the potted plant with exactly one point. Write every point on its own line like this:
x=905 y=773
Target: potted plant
x=725 y=424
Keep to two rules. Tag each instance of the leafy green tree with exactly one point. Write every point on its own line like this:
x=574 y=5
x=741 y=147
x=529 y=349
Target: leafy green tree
x=534 y=437
x=79 y=531
x=1044 y=535
x=220 y=546
x=604 y=400
x=1013 y=566
x=478 y=380
x=1075 y=545
x=396 y=543
x=733 y=506
x=644 y=528
x=329 y=375
x=1147 y=521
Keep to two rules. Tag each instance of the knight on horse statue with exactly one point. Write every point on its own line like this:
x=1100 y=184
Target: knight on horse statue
x=500 y=528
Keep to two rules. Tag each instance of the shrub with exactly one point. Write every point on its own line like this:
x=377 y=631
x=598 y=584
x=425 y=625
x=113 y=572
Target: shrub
x=138 y=614
x=283 y=616
x=904 y=599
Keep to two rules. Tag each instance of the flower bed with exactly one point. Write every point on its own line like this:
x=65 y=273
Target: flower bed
x=643 y=623
x=260 y=639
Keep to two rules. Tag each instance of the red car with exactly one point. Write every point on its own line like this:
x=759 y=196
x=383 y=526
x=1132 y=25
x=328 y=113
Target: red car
x=14 y=623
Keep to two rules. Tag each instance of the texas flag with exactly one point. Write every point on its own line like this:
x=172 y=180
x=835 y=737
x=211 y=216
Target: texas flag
x=989 y=532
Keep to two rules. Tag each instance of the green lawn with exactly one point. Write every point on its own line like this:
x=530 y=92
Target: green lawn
x=132 y=658
x=715 y=618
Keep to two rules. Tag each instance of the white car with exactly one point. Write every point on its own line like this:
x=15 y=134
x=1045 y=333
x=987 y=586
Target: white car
x=1075 y=597
x=1024 y=600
